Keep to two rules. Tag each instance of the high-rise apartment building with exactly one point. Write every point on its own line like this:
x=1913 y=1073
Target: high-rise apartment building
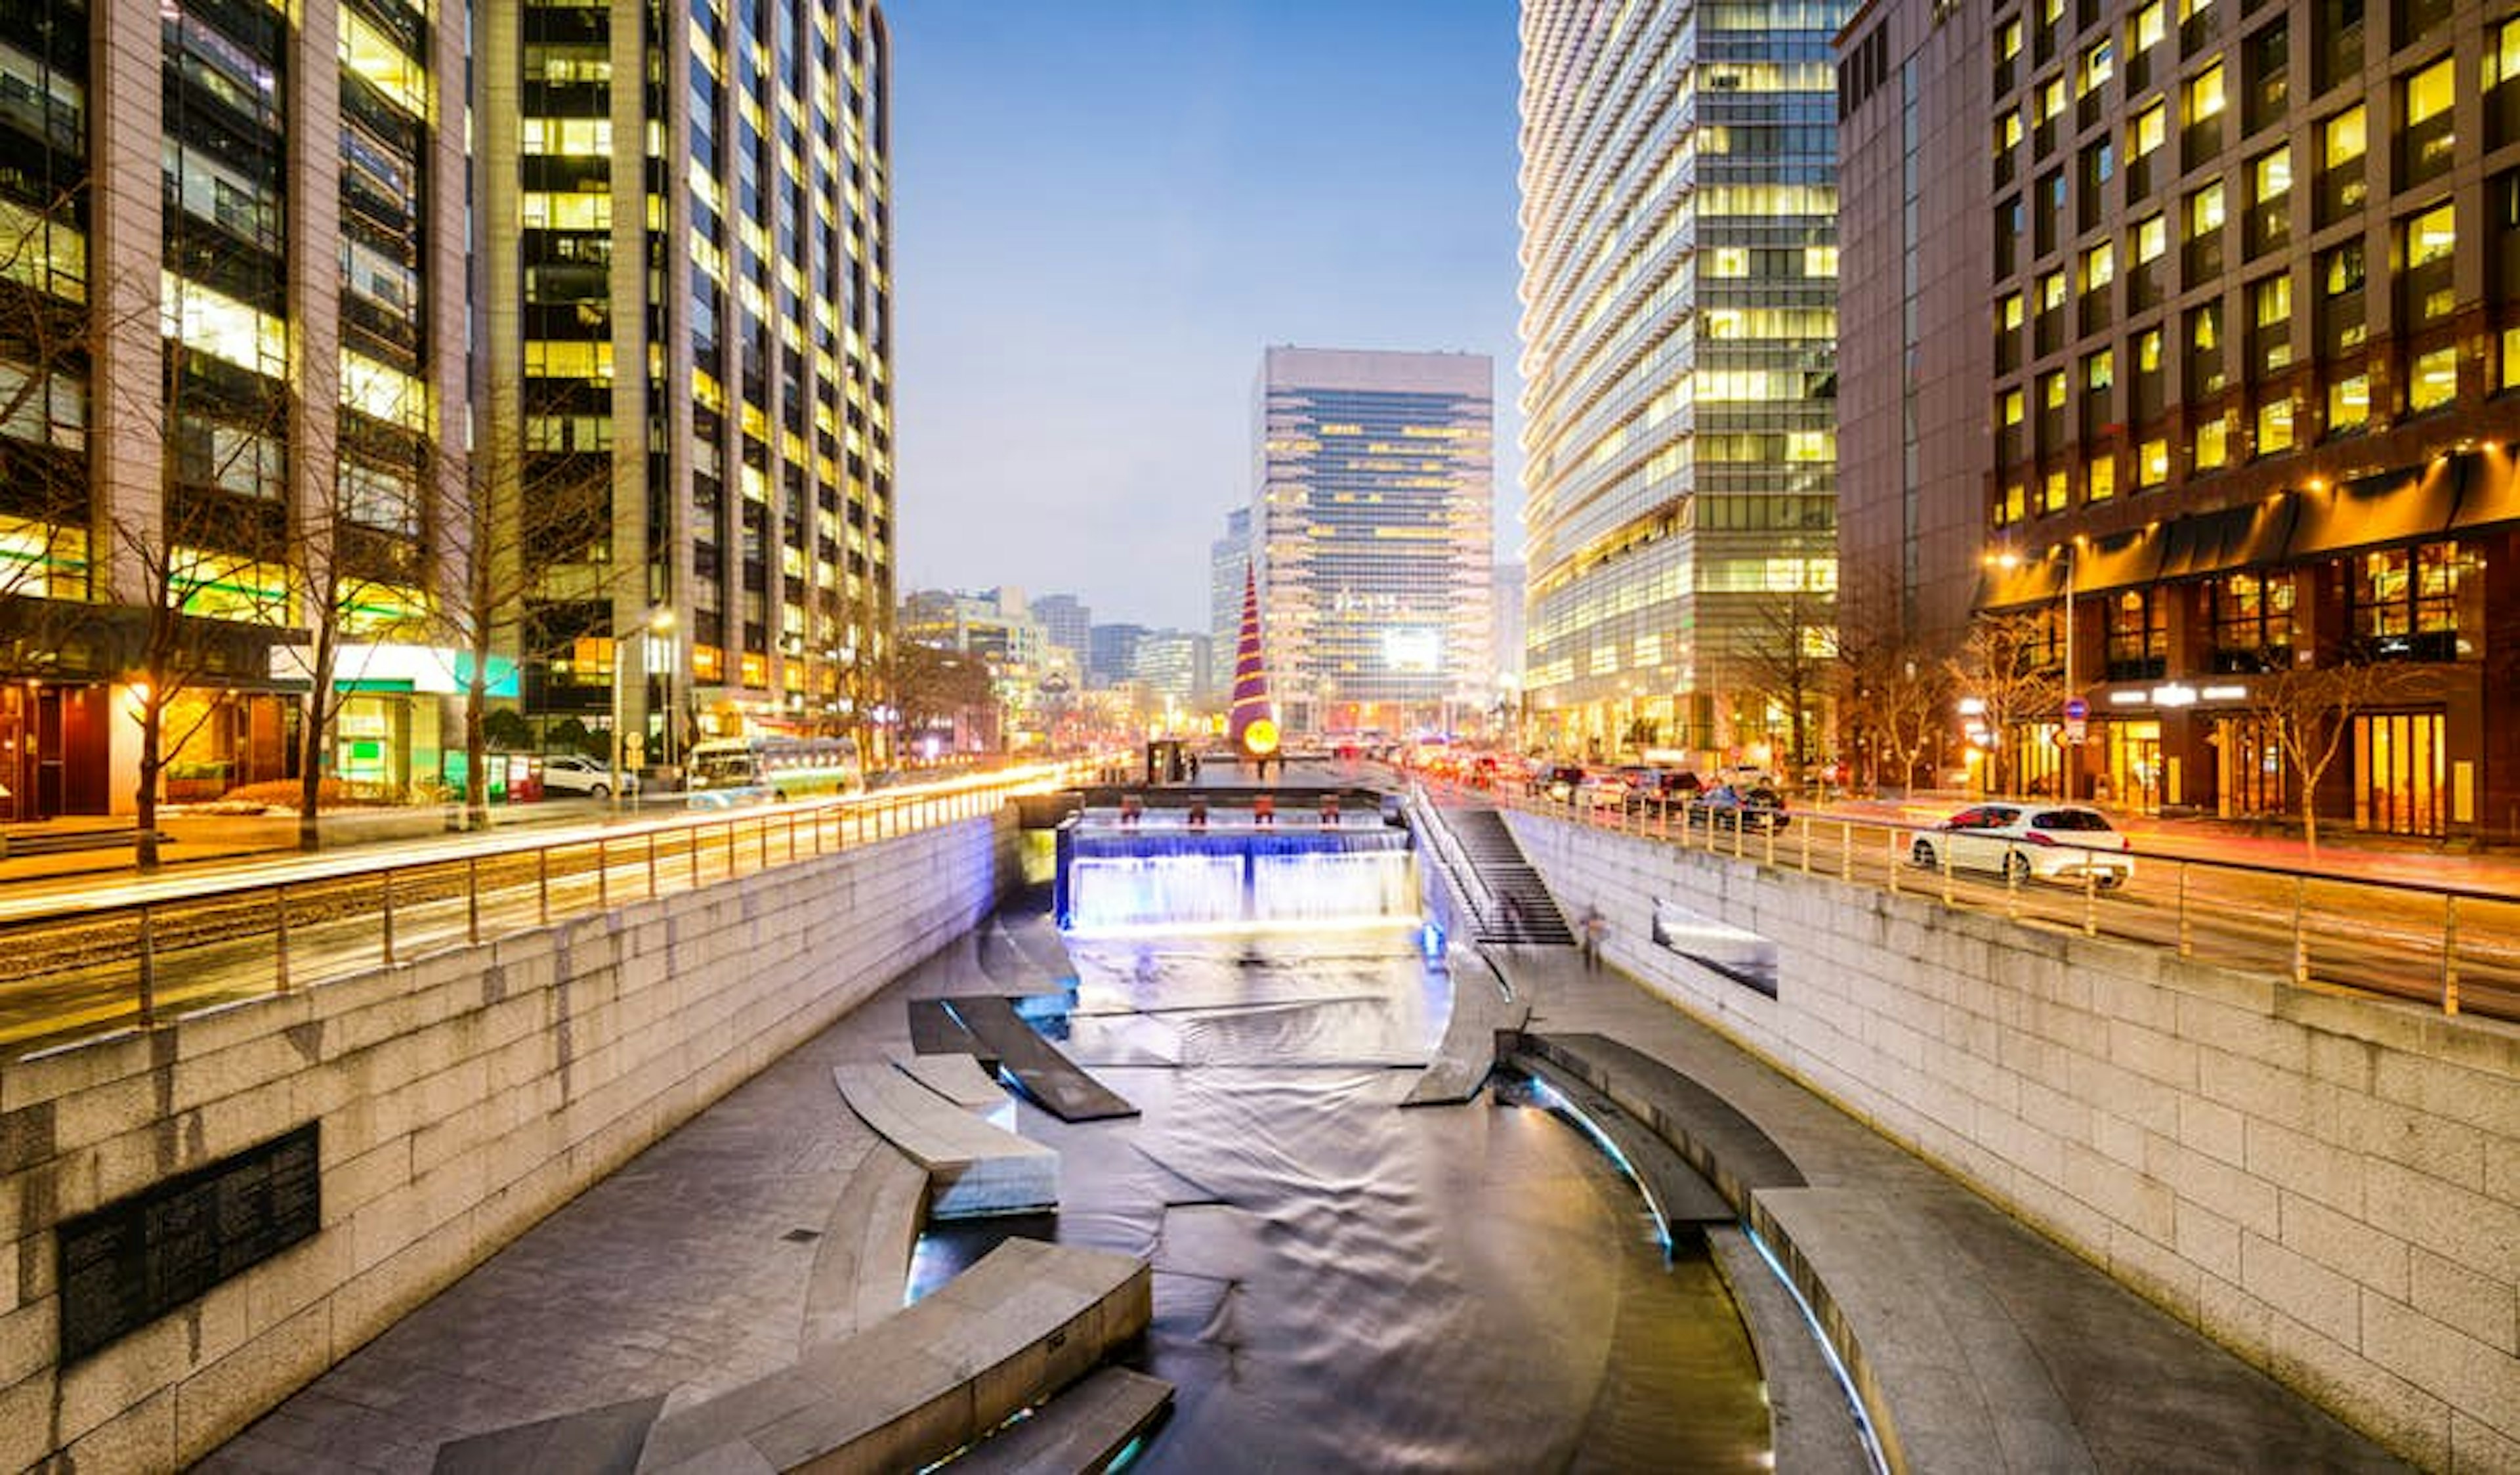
x=2251 y=307
x=1374 y=524
x=686 y=278
x=233 y=403
x=1680 y=265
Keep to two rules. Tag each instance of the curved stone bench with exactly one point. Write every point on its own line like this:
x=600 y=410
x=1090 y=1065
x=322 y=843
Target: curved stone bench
x=1026 y=1320
x=974 y=1168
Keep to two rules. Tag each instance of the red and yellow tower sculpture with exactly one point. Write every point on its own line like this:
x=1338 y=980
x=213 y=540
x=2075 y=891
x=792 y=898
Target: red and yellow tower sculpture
x=1252 y=725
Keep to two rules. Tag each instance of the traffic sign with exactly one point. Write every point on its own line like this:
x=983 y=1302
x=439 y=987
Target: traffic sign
x=2075 y=708
x=2074 y=729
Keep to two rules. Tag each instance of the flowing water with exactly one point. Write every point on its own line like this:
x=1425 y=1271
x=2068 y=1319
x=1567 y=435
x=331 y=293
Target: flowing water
x=1342 y=1284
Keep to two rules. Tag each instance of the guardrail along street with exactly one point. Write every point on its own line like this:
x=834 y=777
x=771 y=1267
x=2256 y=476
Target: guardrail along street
x=81 y=970
x=2450 y=948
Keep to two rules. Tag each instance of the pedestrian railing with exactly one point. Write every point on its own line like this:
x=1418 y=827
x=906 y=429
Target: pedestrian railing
x=81 y=970
x=2450 y=948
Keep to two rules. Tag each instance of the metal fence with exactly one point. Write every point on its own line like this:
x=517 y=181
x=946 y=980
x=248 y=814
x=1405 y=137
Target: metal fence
x=2452 y=947
x=82 y=970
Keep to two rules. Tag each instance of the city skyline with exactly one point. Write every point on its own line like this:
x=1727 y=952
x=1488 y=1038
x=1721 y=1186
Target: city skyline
x=1105 y=220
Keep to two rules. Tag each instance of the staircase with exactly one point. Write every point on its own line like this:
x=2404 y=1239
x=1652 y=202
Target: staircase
x=1509 y=901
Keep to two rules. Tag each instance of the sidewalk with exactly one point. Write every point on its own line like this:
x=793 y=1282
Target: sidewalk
x=192 y=837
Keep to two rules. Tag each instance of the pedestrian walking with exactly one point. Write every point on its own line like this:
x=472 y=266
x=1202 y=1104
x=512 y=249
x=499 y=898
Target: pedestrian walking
x=1594 y=926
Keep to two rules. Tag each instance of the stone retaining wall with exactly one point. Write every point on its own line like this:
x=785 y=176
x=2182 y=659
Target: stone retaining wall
x=2327 y=1185
x=461 y=1098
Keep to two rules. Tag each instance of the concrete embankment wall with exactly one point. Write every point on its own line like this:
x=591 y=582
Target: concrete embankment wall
x=461 y=1097
x=2327 y=1185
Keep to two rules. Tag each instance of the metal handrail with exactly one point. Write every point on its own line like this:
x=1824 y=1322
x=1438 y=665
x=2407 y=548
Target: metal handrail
x=2464 y=945
x=392 y=895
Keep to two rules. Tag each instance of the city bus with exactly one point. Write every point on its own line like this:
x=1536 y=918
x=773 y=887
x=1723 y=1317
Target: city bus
x=729 y=771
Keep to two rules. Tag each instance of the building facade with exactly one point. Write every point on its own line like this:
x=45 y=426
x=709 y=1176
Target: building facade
x=1228 y=558
x=2253 y=299
x=1679 y=291
x=1374 y=521
x=232 y=391
x=1069 y=621
x=688 y=322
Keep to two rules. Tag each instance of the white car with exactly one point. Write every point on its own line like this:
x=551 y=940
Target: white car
x=2022 y=842
x=574 y=773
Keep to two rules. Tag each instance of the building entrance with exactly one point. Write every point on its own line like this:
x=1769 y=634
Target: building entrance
x=2400 y=758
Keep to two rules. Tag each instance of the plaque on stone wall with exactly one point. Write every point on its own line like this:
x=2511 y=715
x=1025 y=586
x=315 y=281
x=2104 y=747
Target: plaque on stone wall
x=131 y=1261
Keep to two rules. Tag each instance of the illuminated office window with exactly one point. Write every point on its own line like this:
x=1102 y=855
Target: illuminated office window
x=2148 y=351
x=2149 y=128
x=2431 y=237
x=2271 y=174
x=2213 y=444
x=2051 y=98
x=2051 y=292
x=2100 y=479
x=2007 y=133
x=2503 y=58
x=2341 y=138
x=2148 y=28
x=2009 y=312
x=2511 y=358
x=2275 y=426
x=2205 y=209
x=2435 y=381
x=2152 y=463
x=2428 y=93
x=2007 y=41
x=2052 y=496
x=2204 y=95
x=2099 y=64
x=1728 y=261
x=2051 y=390
x=2152 y=239
x=2349 y=403
x=2099 y=266
x=1819 y=261
x=2012 y=409
x=2099 y=371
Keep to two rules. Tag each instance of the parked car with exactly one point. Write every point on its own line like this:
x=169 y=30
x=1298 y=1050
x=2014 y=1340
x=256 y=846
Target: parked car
x=1739 y=807
x=575 y=774
x=1559 y=781
x=1664 y=789
x=2022 y=842
x=1601 y=791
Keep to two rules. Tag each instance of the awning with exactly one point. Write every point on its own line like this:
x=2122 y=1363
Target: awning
x=2124 y=562
x=2489 y=492
x=2235 y=537
x=2405 y=508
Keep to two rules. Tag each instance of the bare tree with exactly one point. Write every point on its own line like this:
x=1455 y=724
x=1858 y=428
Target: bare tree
x=2307 y=710
x=1895 y=701
x=2004 y=666
x=1788 y=650
x=938 y=686
x=536 y=526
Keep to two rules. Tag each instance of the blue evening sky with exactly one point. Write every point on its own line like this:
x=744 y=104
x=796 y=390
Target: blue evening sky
x=1105 y=209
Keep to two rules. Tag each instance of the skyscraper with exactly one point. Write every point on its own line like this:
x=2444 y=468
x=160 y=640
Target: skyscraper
x=232 y=386
x=1679 y=327
x=688 y=296
x=1374 y=522
x=1227 y=559
x=1069 y=624
x=2250 y=311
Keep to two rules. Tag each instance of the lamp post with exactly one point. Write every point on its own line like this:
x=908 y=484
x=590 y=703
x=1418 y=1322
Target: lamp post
x=655 y=630
x=2071 y=715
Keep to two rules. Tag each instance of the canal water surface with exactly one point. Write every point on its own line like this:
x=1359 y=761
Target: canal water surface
x=1342 y=1284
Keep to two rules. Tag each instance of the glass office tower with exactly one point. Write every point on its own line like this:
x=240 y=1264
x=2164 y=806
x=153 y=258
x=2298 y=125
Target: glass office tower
x=1374 y=524
x=1679 y=257
x=689 y=394
x=232 y=385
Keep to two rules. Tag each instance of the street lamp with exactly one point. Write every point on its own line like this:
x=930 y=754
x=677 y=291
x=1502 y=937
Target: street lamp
x=2071 y=716
x=658 y=626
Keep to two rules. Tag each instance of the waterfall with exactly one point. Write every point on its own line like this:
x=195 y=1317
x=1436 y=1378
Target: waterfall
x=1160 y=876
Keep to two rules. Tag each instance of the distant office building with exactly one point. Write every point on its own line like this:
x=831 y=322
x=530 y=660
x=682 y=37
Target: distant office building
x=1174 y=665
x=1373 y=523
x=1068 y=623
x=685 y=270
x=1679 y=291
x=2251 y=322
x=1113 y=656
x=1228 y=558
x=233 y=370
